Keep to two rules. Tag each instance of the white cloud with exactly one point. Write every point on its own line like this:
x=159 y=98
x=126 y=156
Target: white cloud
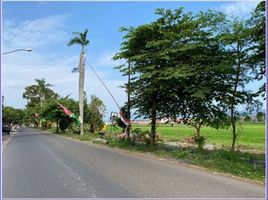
x=17 y=76
x=241 y=8
x=33 y=33
x=105 y=60
x=20 y=69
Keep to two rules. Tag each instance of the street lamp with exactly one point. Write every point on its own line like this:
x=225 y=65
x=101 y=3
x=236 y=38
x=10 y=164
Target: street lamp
x=27 y=49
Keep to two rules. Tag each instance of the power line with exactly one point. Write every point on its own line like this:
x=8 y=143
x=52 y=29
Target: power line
x=104 y=85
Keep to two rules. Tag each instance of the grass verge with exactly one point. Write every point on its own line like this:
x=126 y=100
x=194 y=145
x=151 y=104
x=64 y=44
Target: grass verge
x=85 y=137
x=242 y=164
x=245 y=165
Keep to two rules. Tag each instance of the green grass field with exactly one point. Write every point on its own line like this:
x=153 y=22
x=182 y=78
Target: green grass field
x=252 y=134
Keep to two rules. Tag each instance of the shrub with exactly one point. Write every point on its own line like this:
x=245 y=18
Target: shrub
x=200 y=141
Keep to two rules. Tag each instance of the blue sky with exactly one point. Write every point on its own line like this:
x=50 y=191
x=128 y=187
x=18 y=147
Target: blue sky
x=46 y=27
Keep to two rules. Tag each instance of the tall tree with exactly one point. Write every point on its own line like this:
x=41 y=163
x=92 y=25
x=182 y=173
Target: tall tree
x=38 y=93
x=197 y=68
x=36 y=96
x=237 y=44
x=13 y=115
x=145 y=89
x=42 y=86
x=177 y=67
x=81 y=39
x=257 y=39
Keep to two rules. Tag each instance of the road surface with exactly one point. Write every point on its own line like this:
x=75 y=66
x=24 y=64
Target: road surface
x=42 y=165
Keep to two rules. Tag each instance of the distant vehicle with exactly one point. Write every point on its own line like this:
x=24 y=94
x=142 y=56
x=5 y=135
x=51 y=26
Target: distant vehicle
x=6 y=128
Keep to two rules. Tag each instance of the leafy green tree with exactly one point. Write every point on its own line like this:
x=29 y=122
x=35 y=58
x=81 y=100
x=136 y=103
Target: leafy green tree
x=247 y=118
x=147 y=48
x=199 y=71
x=37 y=94
x=237 y=44
x=81 y=39
x=51 y=112
x=94 y=113
x=257 y=39
x=29 y=115
x=260 y=116
x=145 y=85
x=12 y=115
x=176 y=67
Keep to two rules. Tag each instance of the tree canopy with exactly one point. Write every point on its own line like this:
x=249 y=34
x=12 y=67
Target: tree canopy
x=190 y=66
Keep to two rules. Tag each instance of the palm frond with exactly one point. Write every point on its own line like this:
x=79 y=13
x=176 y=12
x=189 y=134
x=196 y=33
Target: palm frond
x=48 y=85
x=67 y=96
x=80 y=38
x=75 y=33
x=74 y=40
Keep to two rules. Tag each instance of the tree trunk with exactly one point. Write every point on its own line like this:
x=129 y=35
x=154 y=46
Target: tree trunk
x=128 y=103
x=153 y=125
x=233 y=101
x=41 y=99
x=81 y=91
x=234 y=136
x=197 y=129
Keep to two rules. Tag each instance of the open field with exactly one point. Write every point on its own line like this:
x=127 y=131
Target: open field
x=252 y=134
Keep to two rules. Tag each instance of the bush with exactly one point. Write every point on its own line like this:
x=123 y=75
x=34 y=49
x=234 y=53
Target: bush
x=200 y=141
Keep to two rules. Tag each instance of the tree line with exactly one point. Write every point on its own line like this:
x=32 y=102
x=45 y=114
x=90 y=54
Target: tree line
x=42 y=109
x=194 y=66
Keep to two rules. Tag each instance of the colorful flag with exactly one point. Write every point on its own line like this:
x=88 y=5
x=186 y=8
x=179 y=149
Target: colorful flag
x=124 y=120
x=69 y=113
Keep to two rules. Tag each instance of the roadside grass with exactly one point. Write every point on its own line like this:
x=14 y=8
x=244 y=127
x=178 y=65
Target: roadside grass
x=69 y=133
x=245 y=165
x=252 y=135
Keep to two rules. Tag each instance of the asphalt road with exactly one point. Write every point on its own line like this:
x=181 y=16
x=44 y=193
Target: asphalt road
x=41 y=165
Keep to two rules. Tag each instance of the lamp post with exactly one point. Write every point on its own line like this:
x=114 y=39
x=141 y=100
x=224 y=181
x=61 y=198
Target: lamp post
x=27 y=49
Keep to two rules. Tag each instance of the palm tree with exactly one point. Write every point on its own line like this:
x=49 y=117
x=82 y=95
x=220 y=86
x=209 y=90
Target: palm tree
x=42 y=87
x=81 y=39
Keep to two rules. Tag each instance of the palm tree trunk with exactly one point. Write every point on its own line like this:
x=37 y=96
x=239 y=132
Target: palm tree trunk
x=81 y=91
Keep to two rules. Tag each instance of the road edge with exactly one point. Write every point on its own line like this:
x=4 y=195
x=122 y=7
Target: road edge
x=7 y=141
x=154 y=157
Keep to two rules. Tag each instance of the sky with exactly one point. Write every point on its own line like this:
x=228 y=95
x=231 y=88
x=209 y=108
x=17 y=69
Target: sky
x=46 y=27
